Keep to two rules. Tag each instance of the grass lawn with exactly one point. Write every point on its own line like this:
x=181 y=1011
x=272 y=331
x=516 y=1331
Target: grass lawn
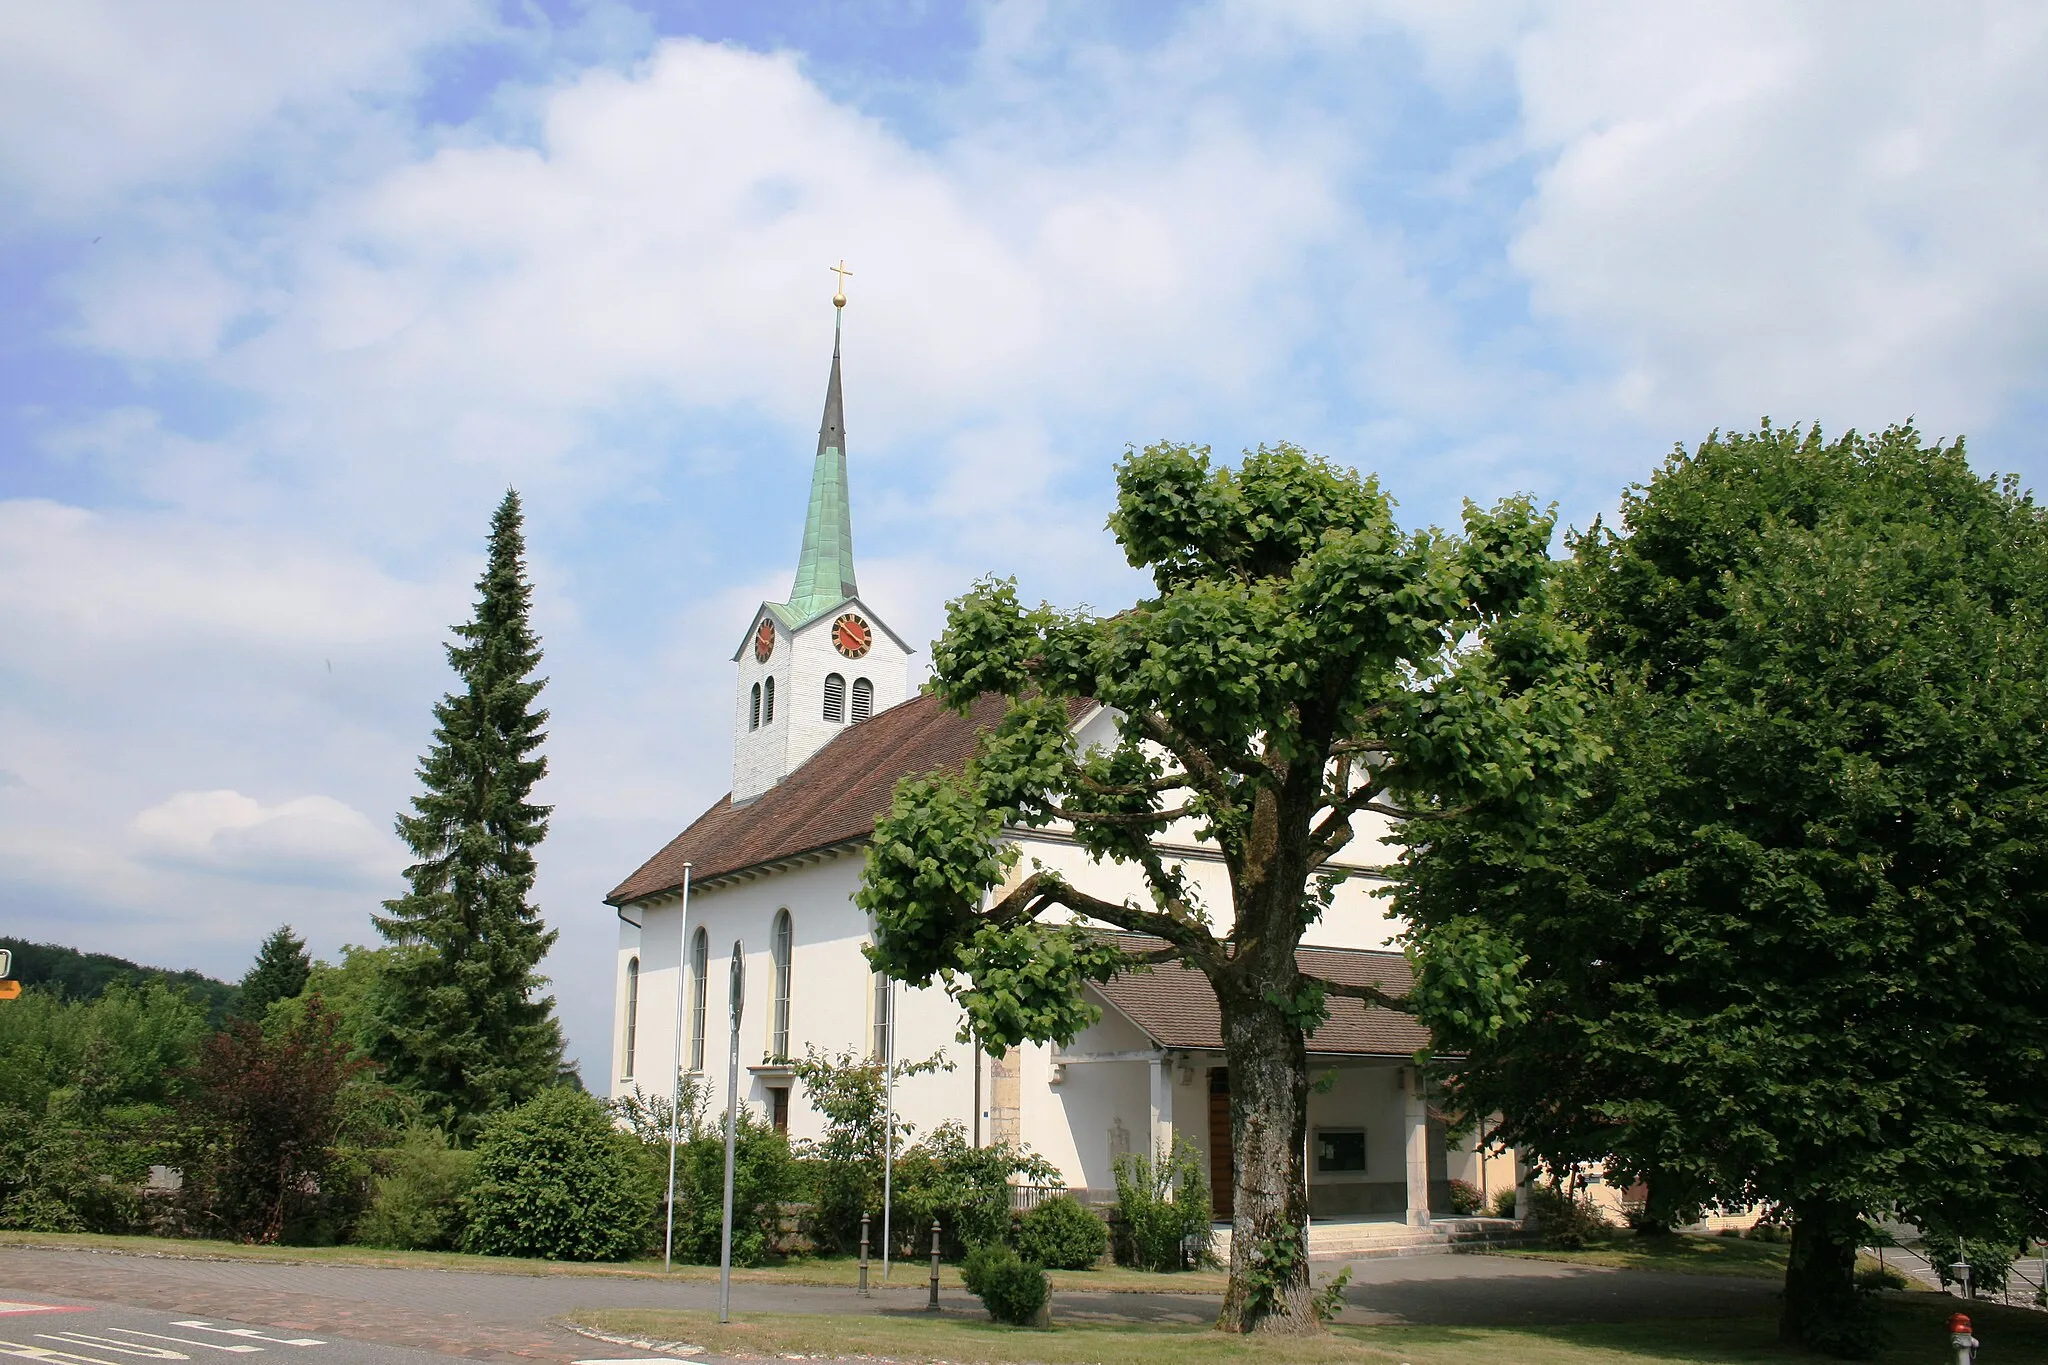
x=1686 y=1253
x=1683 y=1253
x=2012 y=1336
x=825 y=1271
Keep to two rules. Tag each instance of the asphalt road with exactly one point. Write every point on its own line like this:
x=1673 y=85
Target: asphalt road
x=59 y=1333
x=383 y=1317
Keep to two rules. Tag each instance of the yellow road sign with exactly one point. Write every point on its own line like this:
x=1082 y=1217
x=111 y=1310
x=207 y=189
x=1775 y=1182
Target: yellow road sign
x=10 y=990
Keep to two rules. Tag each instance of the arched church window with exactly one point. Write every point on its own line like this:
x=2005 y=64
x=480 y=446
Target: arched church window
x=781 y=943
x=768 y=702
x=700 y=968
x=632 y=1013
x=835 y=698
x=754 y=709
x=863 y=700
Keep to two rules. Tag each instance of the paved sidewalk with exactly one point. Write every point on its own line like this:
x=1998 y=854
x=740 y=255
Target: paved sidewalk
x=505 y=1316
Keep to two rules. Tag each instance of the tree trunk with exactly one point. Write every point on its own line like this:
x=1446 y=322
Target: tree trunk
x=1269 y=1277
x=1823 y=1308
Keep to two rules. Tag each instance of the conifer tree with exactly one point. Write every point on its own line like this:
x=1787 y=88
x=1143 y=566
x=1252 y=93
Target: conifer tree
x=280 y=973
x=464 y=1025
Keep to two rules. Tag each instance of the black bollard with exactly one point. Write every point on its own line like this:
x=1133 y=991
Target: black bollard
x=933 y=1306
x=864 y=1256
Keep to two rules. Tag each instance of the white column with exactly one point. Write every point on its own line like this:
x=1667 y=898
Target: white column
x=1162 y=1106
x=1415 y=1114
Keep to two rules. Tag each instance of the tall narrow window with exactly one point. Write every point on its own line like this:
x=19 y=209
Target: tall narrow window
x=883 y=1001
x=754 y=709
x=835 y=698
x=700 y=967
x=768 y=702
x=781 y=941
x=632 y=1013
x=863 y=699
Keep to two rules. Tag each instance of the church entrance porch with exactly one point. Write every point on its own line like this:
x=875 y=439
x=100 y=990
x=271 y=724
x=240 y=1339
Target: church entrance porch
x=1375 y=1152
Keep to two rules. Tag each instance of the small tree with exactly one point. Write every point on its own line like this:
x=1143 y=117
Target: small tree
x=465 y=1026
x=280 y=973
x=1302 y=662
x=1163 y=1208
x=848 y=1092
x=264 y=1125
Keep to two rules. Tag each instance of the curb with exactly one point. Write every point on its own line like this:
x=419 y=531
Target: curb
x=673 y=1348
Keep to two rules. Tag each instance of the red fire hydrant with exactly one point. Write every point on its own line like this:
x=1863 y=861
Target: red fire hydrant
x=1959 y=1337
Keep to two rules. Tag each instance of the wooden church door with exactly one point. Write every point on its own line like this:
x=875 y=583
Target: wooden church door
x=1222 y=1177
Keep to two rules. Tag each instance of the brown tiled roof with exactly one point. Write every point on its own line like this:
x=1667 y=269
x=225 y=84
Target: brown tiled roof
x=1174 y=1005
x=832 y=799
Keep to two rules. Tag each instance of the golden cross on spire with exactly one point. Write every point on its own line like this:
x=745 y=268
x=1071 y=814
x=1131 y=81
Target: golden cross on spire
x=839 y=296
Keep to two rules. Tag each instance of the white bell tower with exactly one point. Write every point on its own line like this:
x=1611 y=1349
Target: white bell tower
x=823 y=660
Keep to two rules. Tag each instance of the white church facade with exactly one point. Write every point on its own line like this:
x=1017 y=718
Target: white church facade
x=824 y=724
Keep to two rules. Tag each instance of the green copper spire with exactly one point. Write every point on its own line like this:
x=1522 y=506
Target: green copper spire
x=824 y=571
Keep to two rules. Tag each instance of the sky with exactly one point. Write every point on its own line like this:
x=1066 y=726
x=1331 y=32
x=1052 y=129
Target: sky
x=290 y=295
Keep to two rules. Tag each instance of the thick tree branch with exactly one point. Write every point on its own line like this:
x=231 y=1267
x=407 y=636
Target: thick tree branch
x=1042 y=890
x=1126 y=819
x=1371 y=995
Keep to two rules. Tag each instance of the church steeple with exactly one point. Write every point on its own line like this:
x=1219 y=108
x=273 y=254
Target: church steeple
x=824 y=570
x=823 y=660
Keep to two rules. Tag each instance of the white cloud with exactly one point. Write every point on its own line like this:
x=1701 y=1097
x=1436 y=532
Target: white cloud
x=1807 y=211
x=309 y=839
x=99 y=97
x=1668 y=217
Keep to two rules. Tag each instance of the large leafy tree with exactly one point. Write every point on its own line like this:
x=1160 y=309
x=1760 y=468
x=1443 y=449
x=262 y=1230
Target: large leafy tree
x=1792 y=946
x=464 y=1024
x=1303 y=661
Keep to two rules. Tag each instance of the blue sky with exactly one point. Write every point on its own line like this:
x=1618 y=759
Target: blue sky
x=290 y=294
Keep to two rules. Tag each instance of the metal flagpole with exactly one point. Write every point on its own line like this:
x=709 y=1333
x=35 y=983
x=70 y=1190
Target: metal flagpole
x=732 y=1110
x=888 y=1122
x=675 y=1097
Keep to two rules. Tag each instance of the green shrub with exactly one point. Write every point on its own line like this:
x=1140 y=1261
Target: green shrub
x=1466 y=1199
x=1990 y=1259
x=1769 y=1230
x=1163 y=1208
x=420 y=1192
x=554 y=1179
x=1568 y=1221
x=1061 y=1234
x=764 y=1178
x=1880 y=1277
x=1504 y=1202
x=1012 y=1289
x=964 y=1188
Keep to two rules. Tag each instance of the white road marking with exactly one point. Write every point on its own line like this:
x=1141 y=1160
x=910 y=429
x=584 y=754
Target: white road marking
x=44 y=1353
x=126 y=1348
x=236 y=1349
x=249 y=1332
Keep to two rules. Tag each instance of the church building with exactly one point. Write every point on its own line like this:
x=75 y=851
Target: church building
x=824 y=724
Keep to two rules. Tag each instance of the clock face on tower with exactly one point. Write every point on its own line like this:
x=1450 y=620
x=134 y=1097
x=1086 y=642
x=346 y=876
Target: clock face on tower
x=852 y=636
x=764 y=641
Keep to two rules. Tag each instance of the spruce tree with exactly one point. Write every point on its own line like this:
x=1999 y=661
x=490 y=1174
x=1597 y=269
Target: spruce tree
x=280 y=973
x=464 y=1026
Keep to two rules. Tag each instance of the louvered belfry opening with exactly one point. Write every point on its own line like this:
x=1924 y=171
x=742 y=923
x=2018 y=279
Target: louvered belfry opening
x=863 y=699
x=835 y=698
